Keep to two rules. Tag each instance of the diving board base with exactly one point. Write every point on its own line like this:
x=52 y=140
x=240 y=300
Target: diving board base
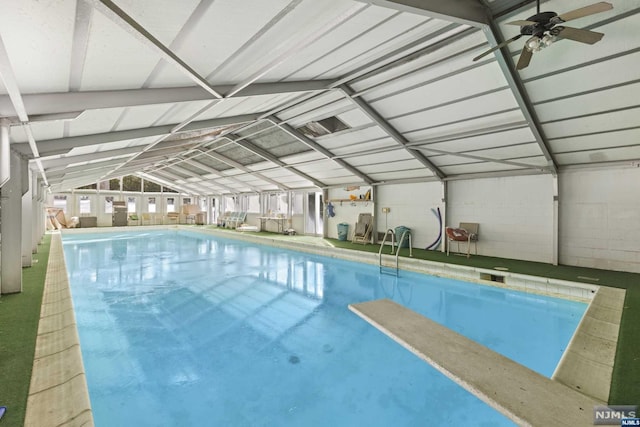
x=524 y=396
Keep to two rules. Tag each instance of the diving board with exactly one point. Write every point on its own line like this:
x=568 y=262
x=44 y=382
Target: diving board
x=524 y=396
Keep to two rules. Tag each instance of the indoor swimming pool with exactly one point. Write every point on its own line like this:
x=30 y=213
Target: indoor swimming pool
x=182 y=328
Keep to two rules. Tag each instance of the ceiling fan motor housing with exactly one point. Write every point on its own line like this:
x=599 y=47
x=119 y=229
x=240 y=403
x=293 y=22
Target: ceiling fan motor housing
x=543 y=22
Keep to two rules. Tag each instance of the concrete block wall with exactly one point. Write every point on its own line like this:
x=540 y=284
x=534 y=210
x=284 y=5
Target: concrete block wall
x=346 y=211
x=600 y=218
x=410 y=205
x=515 y=215
x=598 y=224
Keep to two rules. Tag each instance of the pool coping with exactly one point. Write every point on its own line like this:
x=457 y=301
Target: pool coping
x=521 y=394
x=59 y=393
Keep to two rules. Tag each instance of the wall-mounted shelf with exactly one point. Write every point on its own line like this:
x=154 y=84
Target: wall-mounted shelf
x=350 y=200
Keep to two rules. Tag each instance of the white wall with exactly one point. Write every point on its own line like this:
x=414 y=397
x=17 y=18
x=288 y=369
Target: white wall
x=410 y=205
x=98 y=203
x=600 y=219
x=599 y=214
x=346 y=211
x=515 y=215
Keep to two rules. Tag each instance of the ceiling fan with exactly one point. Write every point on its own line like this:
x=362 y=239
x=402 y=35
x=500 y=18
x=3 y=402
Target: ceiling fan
x=544 y=29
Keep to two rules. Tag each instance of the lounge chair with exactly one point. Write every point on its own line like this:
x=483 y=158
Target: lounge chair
x=363 y=228
x=173 y=217
x=134 y=219
x=237 y=220
x=148 y=218
x=223 y=219
x=466 y=232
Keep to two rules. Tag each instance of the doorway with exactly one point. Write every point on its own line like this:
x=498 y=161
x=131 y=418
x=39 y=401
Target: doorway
x=314 y=218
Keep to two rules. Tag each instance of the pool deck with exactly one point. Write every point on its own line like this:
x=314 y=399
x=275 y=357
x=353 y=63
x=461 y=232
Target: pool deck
x=58 y=394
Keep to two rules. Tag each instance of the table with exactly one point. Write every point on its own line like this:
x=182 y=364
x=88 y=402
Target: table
x=279 y=220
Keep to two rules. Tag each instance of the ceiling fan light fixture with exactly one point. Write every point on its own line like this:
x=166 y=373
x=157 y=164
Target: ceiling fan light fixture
x=548 y=39
x=534 y=44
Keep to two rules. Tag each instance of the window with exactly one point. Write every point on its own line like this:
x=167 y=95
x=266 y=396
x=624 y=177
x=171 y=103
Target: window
x=297 y=204
x=171 y=204
x=277 y=203
x=151 y=187
x=114 y=184
x=131 y=204
x=131 y=183
x=229 y=203
x=152 y=205
x=253 y=203
x=108 y=204
x=186 y=200
x=60 y=202
x=88 y=187
x=85 y=205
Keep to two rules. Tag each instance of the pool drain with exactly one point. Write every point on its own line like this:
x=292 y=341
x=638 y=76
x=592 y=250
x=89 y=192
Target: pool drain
x=294 y=360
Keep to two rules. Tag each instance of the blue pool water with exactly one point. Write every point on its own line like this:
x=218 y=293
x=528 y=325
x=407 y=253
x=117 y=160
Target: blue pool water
x=185 y=329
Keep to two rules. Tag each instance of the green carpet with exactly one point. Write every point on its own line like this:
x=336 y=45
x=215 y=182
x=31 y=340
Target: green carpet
x=19 y=317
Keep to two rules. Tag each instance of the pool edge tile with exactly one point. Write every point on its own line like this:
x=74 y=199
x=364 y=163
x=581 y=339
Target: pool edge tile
x=587 y=363
x=58 y=393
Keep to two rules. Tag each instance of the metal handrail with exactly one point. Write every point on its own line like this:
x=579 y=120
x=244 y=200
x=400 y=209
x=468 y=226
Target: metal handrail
x=407 y=234
x=384 y=240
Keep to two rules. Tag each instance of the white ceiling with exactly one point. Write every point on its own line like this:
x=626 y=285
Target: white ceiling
x=207 y=95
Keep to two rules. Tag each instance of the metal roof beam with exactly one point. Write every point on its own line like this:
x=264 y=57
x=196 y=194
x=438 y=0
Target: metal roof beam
x=120 y=17
x=8 y=78
x=319 y=148
x=210 y=170
x=233 y=163
x=166 y=183
x=468 y=12
x=520 y=94
x=62 y=145
x=67 y=102
x=273 y=159
x=86 y=167
x=390 y=130
x=207 y=180
x=481 y=158
x=53 y=163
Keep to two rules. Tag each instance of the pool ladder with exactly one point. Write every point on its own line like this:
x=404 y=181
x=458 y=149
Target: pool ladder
x=405 y=235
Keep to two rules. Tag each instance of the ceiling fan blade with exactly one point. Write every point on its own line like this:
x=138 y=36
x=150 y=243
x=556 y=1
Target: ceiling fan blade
x=504 y=43
x=584 y=11
x=521 y=23
x=525 y=58
x=582 y=36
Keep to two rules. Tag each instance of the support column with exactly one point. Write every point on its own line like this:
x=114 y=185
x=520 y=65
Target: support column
x=556 y=222
x=5 y=153
x=443 y=214
x=325 y=217
x=35 y=214
x=11 y=229
x=27 y=215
